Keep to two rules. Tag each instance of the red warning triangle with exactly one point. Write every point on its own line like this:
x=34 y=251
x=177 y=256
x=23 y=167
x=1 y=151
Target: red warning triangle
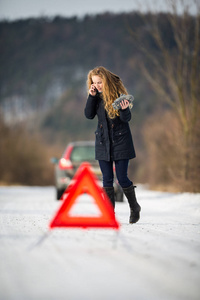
x=85 y=182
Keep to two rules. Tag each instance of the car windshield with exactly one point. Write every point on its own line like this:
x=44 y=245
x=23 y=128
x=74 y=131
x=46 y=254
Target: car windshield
x=83 y=153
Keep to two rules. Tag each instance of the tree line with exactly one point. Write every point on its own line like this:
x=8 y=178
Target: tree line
x=44 y=64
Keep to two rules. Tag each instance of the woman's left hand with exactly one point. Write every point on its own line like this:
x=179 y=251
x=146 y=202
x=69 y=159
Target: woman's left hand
x=124 y=104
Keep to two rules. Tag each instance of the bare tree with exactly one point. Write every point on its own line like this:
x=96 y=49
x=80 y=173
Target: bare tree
x=175 y=72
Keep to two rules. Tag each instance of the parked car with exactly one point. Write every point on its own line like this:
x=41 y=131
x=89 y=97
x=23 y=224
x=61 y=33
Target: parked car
x=74 y=155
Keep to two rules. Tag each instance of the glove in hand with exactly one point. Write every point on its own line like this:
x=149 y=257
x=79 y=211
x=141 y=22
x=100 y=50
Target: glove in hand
x=116 y=103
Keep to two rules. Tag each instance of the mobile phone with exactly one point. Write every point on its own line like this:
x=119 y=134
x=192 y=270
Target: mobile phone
x=95 y=89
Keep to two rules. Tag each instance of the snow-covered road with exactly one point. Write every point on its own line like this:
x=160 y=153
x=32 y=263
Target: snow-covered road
x=157 y=258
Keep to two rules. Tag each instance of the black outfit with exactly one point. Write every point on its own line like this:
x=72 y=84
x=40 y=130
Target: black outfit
x=113 y=143
x=113 y=136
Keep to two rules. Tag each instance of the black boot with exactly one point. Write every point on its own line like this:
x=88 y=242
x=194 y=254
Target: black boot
x=134 y=206
x=111 y=194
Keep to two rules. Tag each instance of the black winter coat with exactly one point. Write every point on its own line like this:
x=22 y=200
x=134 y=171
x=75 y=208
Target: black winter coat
x=113 y=136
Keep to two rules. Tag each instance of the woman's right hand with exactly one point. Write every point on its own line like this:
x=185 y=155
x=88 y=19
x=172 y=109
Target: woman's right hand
x=93 y=90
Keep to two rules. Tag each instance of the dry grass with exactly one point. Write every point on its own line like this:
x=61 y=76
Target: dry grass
x=171 y=164
x=24 y=158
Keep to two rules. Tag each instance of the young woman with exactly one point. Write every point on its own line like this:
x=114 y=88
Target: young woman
x=113 y=136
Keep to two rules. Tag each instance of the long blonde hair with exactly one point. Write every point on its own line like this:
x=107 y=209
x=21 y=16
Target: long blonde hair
x=112 y=87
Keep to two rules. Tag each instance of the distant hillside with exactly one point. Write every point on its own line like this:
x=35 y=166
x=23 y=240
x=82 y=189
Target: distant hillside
x=44 y=64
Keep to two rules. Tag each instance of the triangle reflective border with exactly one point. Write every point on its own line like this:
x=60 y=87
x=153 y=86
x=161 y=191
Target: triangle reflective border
x=85 y=182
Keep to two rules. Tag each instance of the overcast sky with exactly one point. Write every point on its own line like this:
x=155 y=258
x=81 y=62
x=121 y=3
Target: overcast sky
x=17 y=9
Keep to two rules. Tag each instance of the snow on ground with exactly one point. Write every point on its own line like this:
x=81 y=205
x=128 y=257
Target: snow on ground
x=157 y=258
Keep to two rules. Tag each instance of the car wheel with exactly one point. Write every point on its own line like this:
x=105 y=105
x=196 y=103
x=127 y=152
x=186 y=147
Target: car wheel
x=119 y=197
x=59 y=194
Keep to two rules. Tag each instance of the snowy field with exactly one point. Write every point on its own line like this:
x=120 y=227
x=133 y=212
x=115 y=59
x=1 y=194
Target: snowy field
x=157 y=258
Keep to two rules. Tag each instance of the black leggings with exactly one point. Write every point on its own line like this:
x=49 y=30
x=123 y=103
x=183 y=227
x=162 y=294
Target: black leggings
x=121 y=168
